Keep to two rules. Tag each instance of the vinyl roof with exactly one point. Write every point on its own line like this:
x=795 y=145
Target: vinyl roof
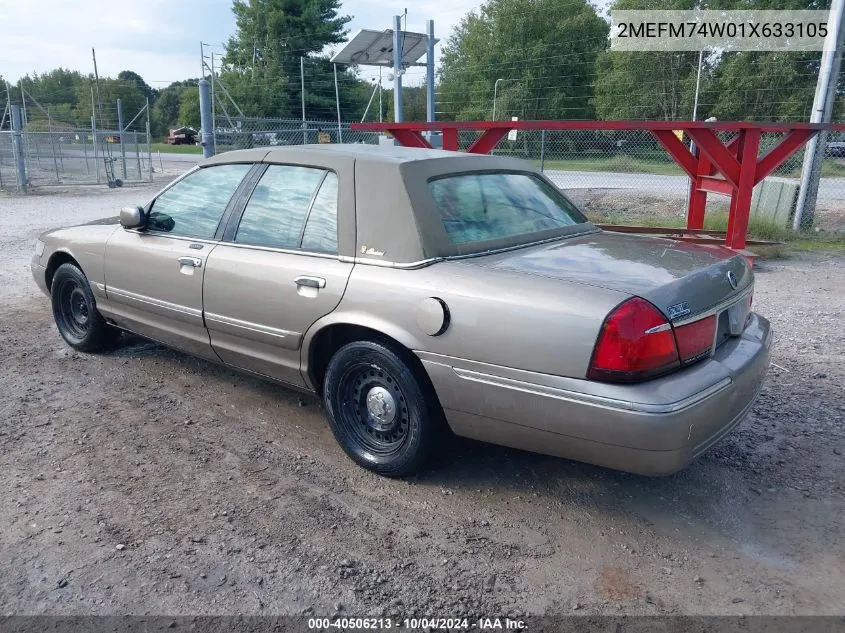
x=359 y=151
x=381 y=153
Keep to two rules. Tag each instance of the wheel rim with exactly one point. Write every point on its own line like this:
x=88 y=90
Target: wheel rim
x=373 y=410
x=74 y=311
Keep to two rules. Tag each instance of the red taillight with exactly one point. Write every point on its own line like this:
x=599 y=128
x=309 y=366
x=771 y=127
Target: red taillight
x=696 y=339
x=635 y=342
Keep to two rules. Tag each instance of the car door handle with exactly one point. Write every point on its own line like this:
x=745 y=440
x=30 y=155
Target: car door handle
x=196 y=262
x=310 y=282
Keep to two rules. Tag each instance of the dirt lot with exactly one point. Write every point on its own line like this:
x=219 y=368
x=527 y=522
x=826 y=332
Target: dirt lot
x=144 y=481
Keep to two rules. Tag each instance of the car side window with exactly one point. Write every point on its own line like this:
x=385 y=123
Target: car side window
x=321 y=228
x=277 y=209
x=194 y=205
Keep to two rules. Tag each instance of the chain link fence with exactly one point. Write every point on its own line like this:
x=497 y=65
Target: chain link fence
x=627 y=176
x=56 y=153
x=8 y=172
x=84 y=157
x=247 y=132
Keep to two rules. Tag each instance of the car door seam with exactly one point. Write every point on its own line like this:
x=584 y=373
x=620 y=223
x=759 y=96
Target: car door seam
x=311 y=207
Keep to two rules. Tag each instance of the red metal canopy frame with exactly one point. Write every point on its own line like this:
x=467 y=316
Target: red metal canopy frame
x=731 y=169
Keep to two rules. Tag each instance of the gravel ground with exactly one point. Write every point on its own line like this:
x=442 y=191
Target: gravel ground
x=145 y=481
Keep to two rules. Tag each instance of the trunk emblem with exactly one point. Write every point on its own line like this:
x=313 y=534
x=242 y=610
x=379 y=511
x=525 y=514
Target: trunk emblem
x=732 y=280
x=678 y=310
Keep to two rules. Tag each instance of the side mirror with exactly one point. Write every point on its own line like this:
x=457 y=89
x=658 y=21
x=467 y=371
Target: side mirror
x=133 y=217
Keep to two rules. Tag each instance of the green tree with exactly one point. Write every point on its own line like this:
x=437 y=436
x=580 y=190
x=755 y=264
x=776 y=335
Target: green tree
x=165 y=112
x=542 y=52
x=261 y=65
x=763 y=86
x=189 y=108
x=110 y=90
x=647 y=84
x=413 y=104
x=135 y=80
x=735 y=85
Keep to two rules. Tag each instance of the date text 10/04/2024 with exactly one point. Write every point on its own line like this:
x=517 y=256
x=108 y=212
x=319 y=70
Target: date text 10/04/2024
x=413 y=624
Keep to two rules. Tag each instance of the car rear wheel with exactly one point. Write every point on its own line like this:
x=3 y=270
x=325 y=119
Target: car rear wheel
x=378 y=409
x=75 y=312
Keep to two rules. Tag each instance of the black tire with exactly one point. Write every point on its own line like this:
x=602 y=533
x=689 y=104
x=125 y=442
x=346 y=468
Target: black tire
x=75 y=312
x=364 y=376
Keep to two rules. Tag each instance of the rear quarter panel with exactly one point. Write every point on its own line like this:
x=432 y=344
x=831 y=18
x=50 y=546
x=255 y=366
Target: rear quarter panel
x=500 y=318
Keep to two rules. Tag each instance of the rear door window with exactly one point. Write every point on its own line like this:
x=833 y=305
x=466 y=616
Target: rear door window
x=278 y=208
x=321 y=228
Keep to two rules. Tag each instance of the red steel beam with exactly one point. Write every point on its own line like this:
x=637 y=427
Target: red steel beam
x=598 y=125
x=722 y=158
x=780 y=152
x=409 y=138
x=678 y=151
x=714 y=184
x=485 y=143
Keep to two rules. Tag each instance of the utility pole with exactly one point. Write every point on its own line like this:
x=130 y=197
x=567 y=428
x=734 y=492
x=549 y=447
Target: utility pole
x=337 y=101
x=697 y=83
x=17 y=147
x=24 y=118
x=94 y=133
x=397 y=68
x=120 y=131
x=7 y=110
x=429 y=71
x=831 y=61
x=302 y=90
x=205 y=120
x=213 y=113
x=149 y=142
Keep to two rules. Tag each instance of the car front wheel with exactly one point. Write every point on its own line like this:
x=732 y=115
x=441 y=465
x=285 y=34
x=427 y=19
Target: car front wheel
x=75 y=312
x=378 y=409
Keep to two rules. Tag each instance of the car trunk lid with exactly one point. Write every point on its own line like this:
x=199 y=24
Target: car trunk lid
x=681 y=279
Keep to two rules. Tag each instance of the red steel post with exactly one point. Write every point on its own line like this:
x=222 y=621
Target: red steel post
x=698 y=196
x=450 y=139
x=749 y=145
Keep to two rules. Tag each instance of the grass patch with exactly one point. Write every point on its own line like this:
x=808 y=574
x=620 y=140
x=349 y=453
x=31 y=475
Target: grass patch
x=758 y=229
x=831 y=168
x=619 y=163
x=164 y=148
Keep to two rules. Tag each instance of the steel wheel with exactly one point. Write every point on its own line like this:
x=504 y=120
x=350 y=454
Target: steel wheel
x=373 y=409
x=75 y=312
x=73 y=309
x=381 y=408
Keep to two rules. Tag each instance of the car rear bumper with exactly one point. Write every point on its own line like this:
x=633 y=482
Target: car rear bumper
x=651 y=428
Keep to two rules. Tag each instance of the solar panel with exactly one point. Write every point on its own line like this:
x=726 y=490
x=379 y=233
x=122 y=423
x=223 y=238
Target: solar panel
x=375 y=48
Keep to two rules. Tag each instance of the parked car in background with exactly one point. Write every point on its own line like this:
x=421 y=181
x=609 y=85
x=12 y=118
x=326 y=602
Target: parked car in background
x=182 y=136
x=835 y=149
x=418 y=290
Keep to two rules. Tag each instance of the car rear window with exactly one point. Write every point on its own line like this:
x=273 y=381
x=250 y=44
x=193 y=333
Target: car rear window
x=482 y=207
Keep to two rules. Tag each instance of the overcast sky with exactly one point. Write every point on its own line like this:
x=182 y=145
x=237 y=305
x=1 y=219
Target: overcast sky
x=159 y=39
